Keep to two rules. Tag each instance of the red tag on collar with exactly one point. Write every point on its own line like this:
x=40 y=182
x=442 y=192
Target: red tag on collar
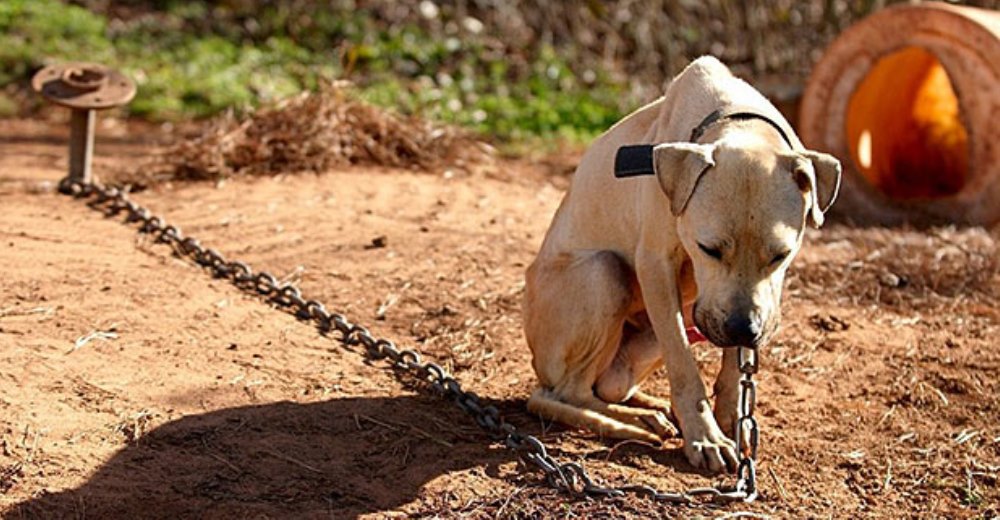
x=694 y=335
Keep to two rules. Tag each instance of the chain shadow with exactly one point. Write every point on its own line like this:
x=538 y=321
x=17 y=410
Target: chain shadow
x=670 y=454
x=339 y=458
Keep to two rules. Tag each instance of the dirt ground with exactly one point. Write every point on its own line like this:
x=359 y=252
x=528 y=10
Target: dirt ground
x=134 y=385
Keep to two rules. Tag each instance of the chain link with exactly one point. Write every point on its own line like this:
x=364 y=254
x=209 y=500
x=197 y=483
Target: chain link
x=569 y=477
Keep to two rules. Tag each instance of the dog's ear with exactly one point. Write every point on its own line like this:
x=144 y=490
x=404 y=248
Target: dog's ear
x=679 y=166
x=818 y=176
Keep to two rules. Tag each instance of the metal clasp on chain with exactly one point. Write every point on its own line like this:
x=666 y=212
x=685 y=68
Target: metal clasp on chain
x=748 y=360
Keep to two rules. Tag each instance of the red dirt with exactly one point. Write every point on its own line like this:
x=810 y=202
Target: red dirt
x=878 y=398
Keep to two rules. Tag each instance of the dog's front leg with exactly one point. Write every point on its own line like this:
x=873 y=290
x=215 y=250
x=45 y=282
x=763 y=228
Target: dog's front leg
x=727 y=391
x=705 y=445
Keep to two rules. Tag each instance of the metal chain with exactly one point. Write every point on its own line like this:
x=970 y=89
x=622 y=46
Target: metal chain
x=569 y=477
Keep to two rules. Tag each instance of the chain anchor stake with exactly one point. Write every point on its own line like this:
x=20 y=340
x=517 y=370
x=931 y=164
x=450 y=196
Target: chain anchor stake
x=84 y=88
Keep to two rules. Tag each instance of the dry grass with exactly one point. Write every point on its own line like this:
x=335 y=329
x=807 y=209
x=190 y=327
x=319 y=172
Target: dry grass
x=908 y=271
x=315 y=131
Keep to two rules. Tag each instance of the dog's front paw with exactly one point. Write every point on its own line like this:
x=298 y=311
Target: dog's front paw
x=713 y=452
x=706 y=447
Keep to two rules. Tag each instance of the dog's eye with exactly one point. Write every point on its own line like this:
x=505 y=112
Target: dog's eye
x=710 y=251
x=780 y=257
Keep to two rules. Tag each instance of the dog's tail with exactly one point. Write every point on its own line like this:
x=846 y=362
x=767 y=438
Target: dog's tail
x=542 y=402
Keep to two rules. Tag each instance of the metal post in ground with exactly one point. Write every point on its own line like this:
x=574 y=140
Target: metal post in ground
x=84 y=88
x=81 y=144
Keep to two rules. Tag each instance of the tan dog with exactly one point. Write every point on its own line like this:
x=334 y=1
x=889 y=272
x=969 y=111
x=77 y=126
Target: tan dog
x=704 y=239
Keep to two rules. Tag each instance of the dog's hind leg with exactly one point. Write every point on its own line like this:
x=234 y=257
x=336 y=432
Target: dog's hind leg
x=574 y=307
x=545 y=404
x=644 y=400
x=575 y=310
x=637 y=358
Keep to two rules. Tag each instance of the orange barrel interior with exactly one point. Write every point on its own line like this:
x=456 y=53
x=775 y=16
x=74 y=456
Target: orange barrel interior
x=907 y=99
x=904 y=129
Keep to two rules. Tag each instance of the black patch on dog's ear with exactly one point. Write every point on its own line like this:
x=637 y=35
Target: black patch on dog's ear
x=634 y=160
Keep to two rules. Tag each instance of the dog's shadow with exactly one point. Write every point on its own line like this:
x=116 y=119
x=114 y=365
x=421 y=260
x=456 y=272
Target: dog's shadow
x=339 y=458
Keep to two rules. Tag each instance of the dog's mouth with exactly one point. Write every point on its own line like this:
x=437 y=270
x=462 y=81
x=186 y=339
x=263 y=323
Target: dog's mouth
x=694 y=335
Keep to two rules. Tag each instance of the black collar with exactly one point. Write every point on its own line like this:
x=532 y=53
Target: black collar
x=634 y=160
x=738 y=115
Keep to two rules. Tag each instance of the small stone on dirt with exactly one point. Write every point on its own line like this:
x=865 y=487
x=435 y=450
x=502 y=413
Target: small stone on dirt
x=828 y=323
x=378 y=242
x=889 y=279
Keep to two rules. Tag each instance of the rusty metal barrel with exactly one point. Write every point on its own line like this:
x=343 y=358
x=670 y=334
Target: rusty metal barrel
x=909 y=100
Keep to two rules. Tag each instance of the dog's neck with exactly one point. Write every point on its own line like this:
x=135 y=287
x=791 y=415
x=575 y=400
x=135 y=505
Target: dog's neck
x=736 y=114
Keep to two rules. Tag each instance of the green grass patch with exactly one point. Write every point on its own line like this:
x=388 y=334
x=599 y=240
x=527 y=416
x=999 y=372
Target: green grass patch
x=192 y=61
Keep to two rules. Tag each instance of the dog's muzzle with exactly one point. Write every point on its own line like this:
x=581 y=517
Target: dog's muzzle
x=742 y=331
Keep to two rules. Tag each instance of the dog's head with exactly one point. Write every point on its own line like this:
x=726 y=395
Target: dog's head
x=741 y=206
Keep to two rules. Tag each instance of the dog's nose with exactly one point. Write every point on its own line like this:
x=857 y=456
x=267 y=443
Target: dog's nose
x=742 y=330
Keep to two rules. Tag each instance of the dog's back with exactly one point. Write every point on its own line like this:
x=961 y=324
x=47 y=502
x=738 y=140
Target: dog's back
x=702 y=87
